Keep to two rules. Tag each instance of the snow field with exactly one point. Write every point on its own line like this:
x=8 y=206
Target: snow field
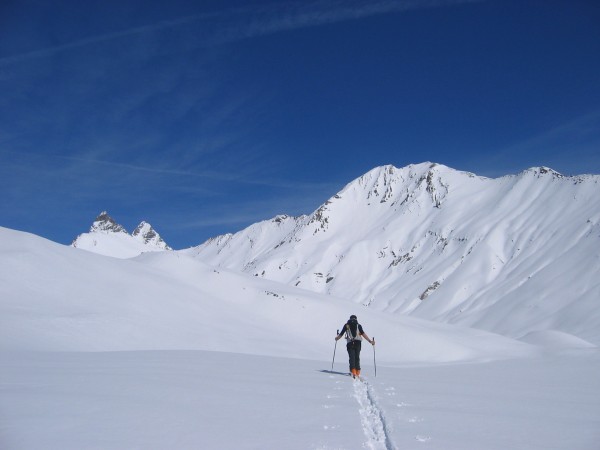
x=171 y=399
x=538 y=404
x=216 y=400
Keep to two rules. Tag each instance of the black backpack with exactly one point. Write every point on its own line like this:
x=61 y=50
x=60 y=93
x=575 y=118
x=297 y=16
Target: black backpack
x=352 y=333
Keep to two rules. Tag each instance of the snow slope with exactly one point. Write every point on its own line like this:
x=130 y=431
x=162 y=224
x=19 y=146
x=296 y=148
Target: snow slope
x=58 y=298
x=514 y=255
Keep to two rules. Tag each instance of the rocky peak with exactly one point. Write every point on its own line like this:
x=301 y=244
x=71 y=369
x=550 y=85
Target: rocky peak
x=148 y=235
x=280 y=218
x=106 y=224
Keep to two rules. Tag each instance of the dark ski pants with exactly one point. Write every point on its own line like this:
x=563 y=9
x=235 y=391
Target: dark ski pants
x=354 y=354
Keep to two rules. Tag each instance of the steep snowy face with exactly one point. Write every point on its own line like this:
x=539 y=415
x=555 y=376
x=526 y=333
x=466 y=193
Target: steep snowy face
x=108 y=238
x=147 y=235
x=442 y=244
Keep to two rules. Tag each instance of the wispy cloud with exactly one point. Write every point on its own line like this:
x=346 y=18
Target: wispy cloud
x=573 y=133
x=166 y=24
x=247 y=22
x=291 y=16
x=83 y=164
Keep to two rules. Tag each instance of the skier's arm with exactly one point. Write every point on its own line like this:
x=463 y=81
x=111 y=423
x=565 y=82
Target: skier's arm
x=339 y=336
x=369 y=340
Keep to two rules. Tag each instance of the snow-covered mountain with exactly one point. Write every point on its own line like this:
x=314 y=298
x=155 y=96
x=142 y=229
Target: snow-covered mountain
x=518 y=255
x=108 y=238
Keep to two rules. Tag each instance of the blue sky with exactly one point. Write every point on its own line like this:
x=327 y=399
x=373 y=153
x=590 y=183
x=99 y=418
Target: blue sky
x=202 y=117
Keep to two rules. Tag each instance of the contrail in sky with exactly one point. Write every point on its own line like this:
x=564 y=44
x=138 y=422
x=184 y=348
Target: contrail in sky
x=204 y=174
x=106 y=37
x=295 y=16
x=257 y=21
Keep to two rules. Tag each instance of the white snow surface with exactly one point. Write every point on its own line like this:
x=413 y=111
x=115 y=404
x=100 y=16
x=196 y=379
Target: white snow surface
x=116 y=245
x=166 y=351
x=216 y=400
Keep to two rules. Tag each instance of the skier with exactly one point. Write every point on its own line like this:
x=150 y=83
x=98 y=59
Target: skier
x=354 y=334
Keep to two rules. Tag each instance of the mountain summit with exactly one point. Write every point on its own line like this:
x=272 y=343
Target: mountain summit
x=108 y=238
x=105 y=223
x=146 y=234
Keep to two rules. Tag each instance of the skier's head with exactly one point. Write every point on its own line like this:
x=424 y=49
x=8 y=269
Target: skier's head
x=353 y=317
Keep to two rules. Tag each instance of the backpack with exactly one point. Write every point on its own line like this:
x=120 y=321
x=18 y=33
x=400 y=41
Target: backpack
x=352 y=331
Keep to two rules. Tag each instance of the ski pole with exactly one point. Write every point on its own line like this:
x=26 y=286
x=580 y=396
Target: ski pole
x=374 y=362
x=334 y=347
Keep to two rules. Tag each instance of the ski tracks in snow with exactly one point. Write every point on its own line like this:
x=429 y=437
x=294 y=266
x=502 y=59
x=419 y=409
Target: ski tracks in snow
x=376 y=428
x=372 y=418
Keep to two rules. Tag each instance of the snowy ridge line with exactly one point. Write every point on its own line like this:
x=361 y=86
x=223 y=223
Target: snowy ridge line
x=372 y=418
